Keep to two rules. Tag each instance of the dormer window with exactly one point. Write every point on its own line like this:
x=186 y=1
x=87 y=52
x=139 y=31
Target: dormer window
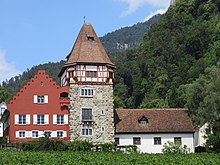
x=143 y=120
x=90 y=39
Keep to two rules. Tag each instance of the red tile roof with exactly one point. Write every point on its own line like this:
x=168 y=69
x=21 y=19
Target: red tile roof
x=88 y=51
x=159 y=121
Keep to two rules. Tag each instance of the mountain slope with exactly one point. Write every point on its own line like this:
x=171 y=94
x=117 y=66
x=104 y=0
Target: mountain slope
x=127 y=37
x=175 y=51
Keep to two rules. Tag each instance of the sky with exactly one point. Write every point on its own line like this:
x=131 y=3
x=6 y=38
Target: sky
x=34 y=32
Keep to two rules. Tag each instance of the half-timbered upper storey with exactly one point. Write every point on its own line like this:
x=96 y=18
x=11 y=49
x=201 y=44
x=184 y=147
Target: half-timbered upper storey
x=88 y=61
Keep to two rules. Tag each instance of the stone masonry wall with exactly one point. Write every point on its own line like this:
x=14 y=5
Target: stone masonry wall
x=102 y=109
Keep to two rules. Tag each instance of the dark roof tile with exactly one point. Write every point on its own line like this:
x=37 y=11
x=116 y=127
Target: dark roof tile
x=159 y=120
x=85 y=51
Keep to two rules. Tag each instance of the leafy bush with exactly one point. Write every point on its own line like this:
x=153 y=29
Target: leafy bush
x=3 y=140
x=105 y=147
x=174 y=148
x=44 y=144
x=79 y=145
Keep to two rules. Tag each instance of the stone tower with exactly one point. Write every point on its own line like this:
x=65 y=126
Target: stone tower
x=89 y=74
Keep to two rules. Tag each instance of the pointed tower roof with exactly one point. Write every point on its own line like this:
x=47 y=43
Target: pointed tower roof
x=88 y=49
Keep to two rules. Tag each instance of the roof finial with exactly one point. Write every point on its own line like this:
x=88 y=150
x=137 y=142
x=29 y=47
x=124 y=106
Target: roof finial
x=84 y=19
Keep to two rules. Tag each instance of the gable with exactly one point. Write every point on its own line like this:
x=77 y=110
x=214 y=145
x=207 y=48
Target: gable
x=41 y=85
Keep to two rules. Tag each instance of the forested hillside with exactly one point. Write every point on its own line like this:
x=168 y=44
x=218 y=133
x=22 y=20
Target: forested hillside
x=127 y=37
x=14 y=84
x=175 y=51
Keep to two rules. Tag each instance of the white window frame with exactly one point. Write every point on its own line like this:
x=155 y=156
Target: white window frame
x=46 y=119
x=27 y=121
x=22 y=119
x=61 y=133
x=40 y=99
x=37 y=133
x=85 y=131
x=41 y=119
x=60 y=119
x=65 y=119
x=18 y=133
x=81 y=116
x=87 y=92
x=47 y=131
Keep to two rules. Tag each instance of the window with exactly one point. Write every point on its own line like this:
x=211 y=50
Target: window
x=157 y=140
x=102 y=112
x=22 y=134
x=59 y=134
x=90 y=39
x=40 y=99
x=91 y=73
x=87 y=131
x=22 y=119
x=87 y=92
x=177 y=140
x=60 y=119
x=136 y=140
x=47 y=134
x=117 y=140
x=34 y=134
x=2 y=110
x=86 y=114
x=143 y=120
x=111 y=74
x=40 y=119
x=64 y=95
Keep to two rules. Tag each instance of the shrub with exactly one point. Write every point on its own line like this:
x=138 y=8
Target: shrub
x=44 y=144
x=3 y=140
x=79 y=145
x=105 y=147
x=174 y=148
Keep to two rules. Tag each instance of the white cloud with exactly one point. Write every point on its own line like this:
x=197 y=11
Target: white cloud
x=159 y=11
x=133 y=5
x=7 y=70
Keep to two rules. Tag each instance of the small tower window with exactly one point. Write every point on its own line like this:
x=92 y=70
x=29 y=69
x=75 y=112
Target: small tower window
x=87 y=92
x=90 y=39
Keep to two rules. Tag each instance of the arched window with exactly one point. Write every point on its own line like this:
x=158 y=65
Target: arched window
x=64 y=107
x=64 y=94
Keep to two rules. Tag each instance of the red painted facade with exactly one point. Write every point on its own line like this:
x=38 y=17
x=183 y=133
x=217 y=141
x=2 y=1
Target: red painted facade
x=56 y=102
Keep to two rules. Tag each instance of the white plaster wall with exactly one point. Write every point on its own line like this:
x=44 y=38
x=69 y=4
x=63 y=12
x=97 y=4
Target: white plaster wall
x=3 y=107
x=1 y=130
x=200 y=134
x=147 y=141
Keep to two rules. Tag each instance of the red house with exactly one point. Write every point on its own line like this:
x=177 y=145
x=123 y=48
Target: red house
x=40 y=109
